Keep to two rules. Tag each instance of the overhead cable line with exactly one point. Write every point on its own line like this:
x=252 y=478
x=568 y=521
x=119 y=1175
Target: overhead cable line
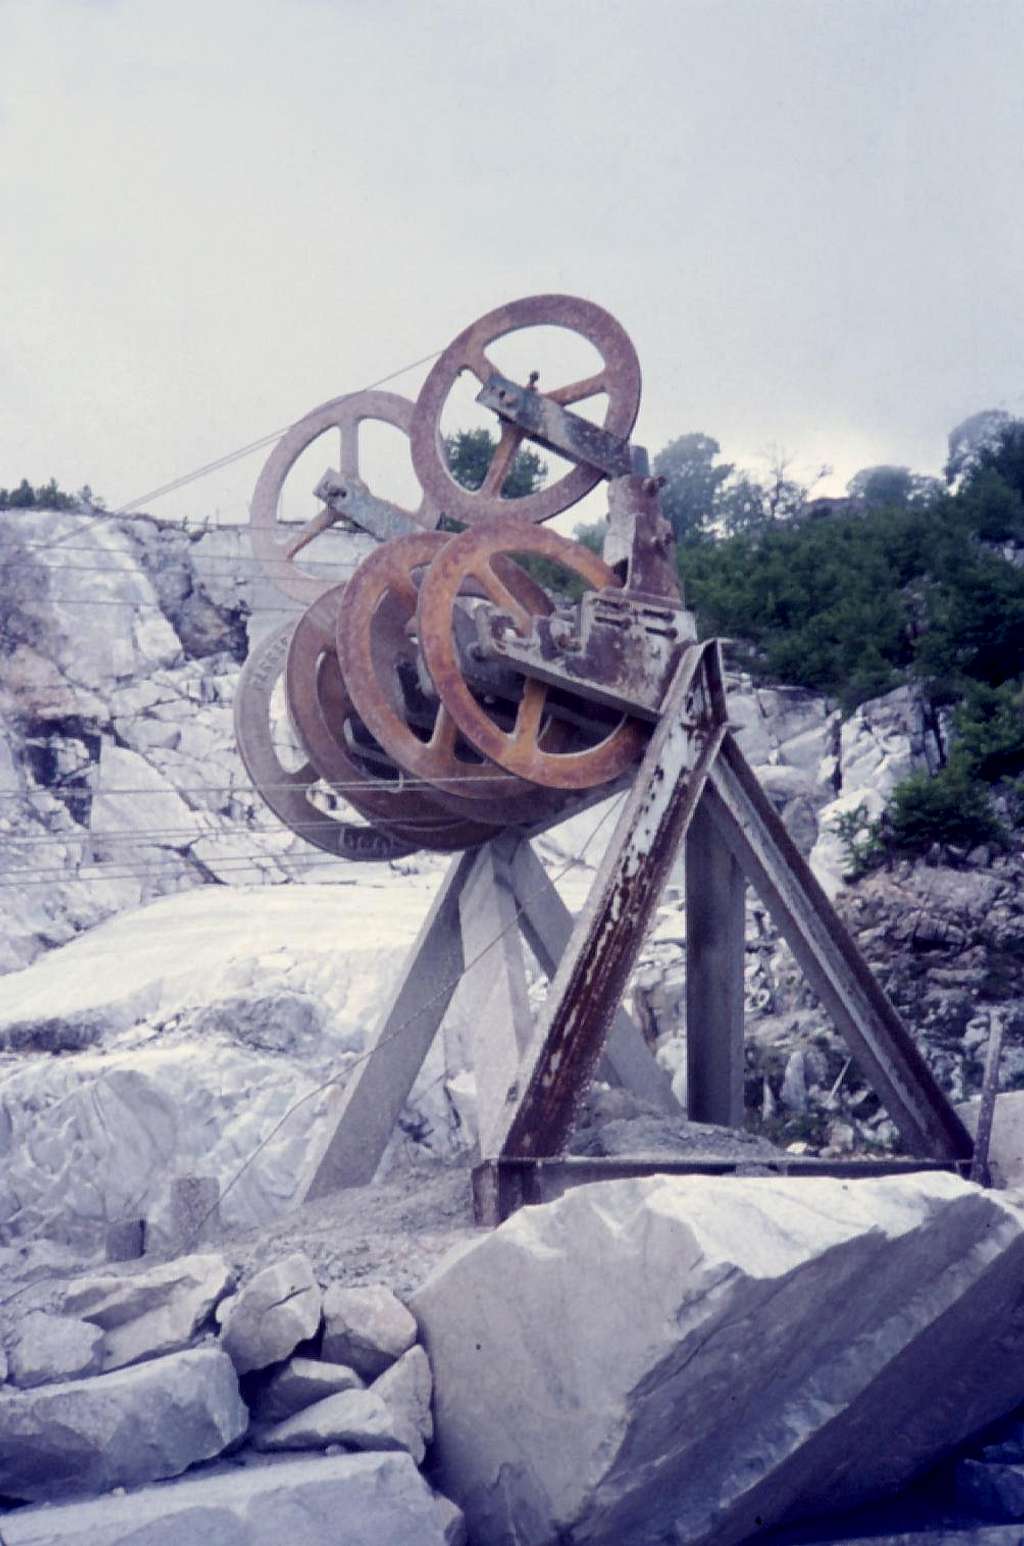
x=256 y=445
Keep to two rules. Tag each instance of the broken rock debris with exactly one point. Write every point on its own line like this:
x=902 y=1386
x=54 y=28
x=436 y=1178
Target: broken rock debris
x=68 y=1430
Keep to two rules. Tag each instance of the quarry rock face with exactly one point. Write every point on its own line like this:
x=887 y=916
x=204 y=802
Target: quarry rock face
x=343 y=1500
x=696 y=1359
x=117 y=1430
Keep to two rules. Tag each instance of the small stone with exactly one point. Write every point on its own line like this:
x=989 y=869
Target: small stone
x=301 y=1383
x=366 y=1328
x=272 y=1314
x=359 y=1419
x=54 y=1347
x=406 y=1389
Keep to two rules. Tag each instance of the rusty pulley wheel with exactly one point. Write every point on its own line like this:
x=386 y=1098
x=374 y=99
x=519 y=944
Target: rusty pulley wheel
x=618 y=378
x=377 y=649
x=342 y=750
x=476 y=558
x=285 y=790
x=278 y=544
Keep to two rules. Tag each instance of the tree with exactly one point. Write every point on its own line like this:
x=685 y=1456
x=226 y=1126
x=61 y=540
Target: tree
x=971 y=439
x=469 y=454
x=887 y=487
x=692 y=482
x=22 y=498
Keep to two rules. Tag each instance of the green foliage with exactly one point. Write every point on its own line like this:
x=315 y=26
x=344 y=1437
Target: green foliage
x=989 y=726
x=861 y=841
x=991 y=508
x=469 y=454
x=1000 y=451
x=693 y=482
x=46 y=497
x=948 y=807
x=891 y=488
x=591 y=536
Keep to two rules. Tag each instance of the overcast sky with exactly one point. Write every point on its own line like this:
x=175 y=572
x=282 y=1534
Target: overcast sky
x=808 y=214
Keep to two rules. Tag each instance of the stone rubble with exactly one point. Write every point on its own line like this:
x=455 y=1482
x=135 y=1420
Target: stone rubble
x=67 y=1429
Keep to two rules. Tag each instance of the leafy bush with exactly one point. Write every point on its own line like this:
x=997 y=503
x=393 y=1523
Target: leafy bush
x=948 y=807
x=989 y=726
x=860 y=837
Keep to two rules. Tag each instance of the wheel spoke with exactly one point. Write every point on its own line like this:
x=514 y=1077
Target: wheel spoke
x=576 y=391
x=350 y=448
x=311 y=530
x=531 y=709
x=506 y=599
x=476 y=360
x=445 y=732
x=507 y=446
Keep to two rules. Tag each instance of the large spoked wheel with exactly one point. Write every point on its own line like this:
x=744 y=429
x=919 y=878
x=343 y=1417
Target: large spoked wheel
x=278 y=544
x=618 y=378
x=474 y=560
x=287 y=790
x=377 y=649
x=342 y=750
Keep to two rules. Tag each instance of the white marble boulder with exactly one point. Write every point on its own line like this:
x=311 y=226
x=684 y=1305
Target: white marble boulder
x=120 y=1429
x=49 y=1348
x=366 y=1327
x=268 y=1318
x=154 y=1311
x=343 y=1500
x=696 y=1359
x=302 y=1383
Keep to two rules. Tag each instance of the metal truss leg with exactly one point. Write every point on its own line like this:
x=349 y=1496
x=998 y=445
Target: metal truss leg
x=715 y=928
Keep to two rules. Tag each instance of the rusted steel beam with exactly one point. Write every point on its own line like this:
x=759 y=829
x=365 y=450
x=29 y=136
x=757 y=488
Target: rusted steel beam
x=550 y=425
x=609 y=932
x=348 y=498
x=831 y=962
x=715 y=948
x=546 y=924
x=500 y=1186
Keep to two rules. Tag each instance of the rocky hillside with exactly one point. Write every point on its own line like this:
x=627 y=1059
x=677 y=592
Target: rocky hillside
x=175 y=1039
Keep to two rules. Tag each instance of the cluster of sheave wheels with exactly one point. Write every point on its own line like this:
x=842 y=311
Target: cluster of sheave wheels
x=405 y=732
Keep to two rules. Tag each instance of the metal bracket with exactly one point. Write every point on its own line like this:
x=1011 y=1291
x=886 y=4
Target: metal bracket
x=617 y=649
x=355 y=508
x=555 y=428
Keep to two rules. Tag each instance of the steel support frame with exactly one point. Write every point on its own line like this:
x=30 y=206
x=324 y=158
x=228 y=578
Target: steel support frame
x=694 y=784
x=492 y=899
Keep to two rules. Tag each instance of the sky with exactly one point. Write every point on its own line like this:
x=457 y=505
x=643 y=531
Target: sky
x=807 y=214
